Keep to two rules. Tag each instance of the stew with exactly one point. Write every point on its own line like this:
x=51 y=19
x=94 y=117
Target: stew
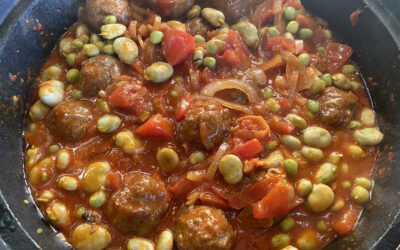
x=176 y=124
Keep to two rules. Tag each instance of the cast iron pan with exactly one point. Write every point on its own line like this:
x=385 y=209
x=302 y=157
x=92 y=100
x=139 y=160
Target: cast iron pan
x=376 y=40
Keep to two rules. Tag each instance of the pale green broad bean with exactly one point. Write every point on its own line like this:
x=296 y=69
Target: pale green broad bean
x=320 y=198
x=58 y=214
x=168 y=159
x=63 y=159
x=312 y=154
x=90 y=237
x=38 y=111
x=231 y=168
x=126 y=49
x=159 y=72
x=165 y=241
x=52 y=73
x=138 y=243
x=326 y=173
x=51 y=92
x=95 y=176
x=368 y=136
x=248 y=32
x=127 y=141
x=108 y=123
x=213 y=16
x=111 y=31
x=317 y=137
x=367 y=117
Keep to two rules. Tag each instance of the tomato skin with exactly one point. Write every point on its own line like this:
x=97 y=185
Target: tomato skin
x=284 y=103
x=114 y=180
x=129 y=96
x=274 y=204
x=280 y=126
x=177 y=46
x=337 y=55
x=184 y=105
x=248 y=149
x=346 y=222
x=229 y=57
x=279 y=41
x=156 y=128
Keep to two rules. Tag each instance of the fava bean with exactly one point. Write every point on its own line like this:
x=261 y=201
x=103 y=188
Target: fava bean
x=292 y=27
x=196 y=157
x=100 y=45
x=268 y=93
x=360 y=194
x=368 y=136
x=209 y=62
x=165 y=241
x=65 y=46
x=77 y=94
x=128 y=142
x=328 y=34
x=321 y=226
x=289 y=13
x=304 y=59
x=367 y=117
x=274 y=160
x=291 y=166
x=320 y=198
x=139 y=244
x=94 y=38
x=290 y=247
x=63 y=159
x=298 y=121
x=58 y=214
x=215 y=46
x=326 y=173
x=355 y=151
x=91 y=50
x=52 y=73
x=327 y=78
x=355 y=85
x=273 y=31
x=95 y=176
x=338 y=204
x=317 y=137
x=355 y=125
x=32 y=155
x=159 y=72
x=72 y=76
x=346 y=184
x=213 y=16
x=126 y=49
x=173 y=24
x=341 y=81
x=51 y=92
x=248 y=32
x=349 y=69
x=344 y=168
x=38 y=111
x=308 y=240
x=306 y=33
x=304 y=187
x=102 y=106
x=291 y=141
x=68 y=183
x=194 y=12
x=90 y=237
x=70 y=58
x=199 y=39
x=231 y=168
x=41 y=172
x=108 y=123
x=46 y=196
x=313 y=106
x=97 y=199
x=108 y=49
x=168 y=159
x=288 y=35
x=317 y=87
x=335 y=157
x=363 y=182
x=82 y=30
x=273 y=105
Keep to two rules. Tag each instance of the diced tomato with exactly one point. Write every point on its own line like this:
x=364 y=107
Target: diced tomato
x=229 y=57
x=280 y=126
x=184 y=105
x=138 y=66
x=157 y=127
x=166 y=6
x=306 y=22
x=262 y=13
x=284 y=103
x=337 y=54
x=211 y=199
x=346 y=222
x=206 y=76
x=274 y=204
x=248 y=149
x=177 y=46
x=113 y=180
x=130 y=96
x=279 y=41
x=236 y=45
x=253 y=193
x=183 y=187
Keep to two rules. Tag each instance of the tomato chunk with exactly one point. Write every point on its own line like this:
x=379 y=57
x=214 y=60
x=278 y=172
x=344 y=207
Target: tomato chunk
x=279 y=41
x=184 y=105
x=346 y=222
x=177 y=46
x=113 y=180
x=157 y=128
x=229 y=57
x=248 y=149
x=280 y=126
x=131 y=96
x=337 y=54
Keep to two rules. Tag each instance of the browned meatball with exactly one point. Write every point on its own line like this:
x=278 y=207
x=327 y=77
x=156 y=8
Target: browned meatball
x=139 y=205
x=70 y=120
x=176 y=10
x=233 y=9
x=97 y=74
x=337 y=107
x=203 y=227
x=97 y=10
x=205 y=123
x=198 y=26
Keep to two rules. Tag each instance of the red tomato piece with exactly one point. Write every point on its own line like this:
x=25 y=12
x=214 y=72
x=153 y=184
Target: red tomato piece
x=114 y=180
x=280 y=126
x=284 y=103
x=130 y=96
x=236 y=45
x=183 y=187
x=337 y=54
x=274 y=204
x=229 y=57
x=184 y=105
x=177 y=46
x=157 y=128
x=346 y=222
x=248 y=149
x=211 y=199
x=279 y=41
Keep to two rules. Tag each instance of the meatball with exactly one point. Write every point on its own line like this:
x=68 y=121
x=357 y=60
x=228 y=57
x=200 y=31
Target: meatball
x=197 y=27
x=207 y=123
x=233 y=9
x=97 y=10
x=139 y=205
x=70 y=120
x=203 y=227
x=97 y=73
x=337 y=107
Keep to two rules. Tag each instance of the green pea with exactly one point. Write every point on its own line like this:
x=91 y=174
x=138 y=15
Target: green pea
x=306 y=33
x=215 y=46
x=159 y=72
x=328 y=34
x=53 y=149
x=346 y=184
x=355 y=125
x=312 y=154
x=102 y=106
x=322 y=226
x=108 y=123
x=298 y=121
x=326 y=173
x=335 y=158
x=304 y=187
x=291 y=166
x=349 y=69
x=320 y=198
x=320 y=49
x=271 y=145
x=76 y=94
x=196 y=157
x=78 y=43
x=368 y=117
x=156 y=37
x=317 y=87
x=368 y=136
x=273 y=105
x=289 y=13
x=363 y=182
x=194 y=12
x=304 y=59
x=327 y=78
x=213 y=16
x=52 y=73
x=268 y=93
x=108 y=49
x=273 y=31
x=317 y=137
x=231 y=168
x=287 y=224
x=313 y=106
x=94 y=38
x=360 y=194
x=46 y=196
x=110 y=19
x=97 y=199
x=174 y=94
x=291 y=141
x=209 y=62
x=280 y=240
x=91 y=50
x=168 y=159
x=199 y=38
x=341 y=81
x=288 y=35
x=292 y=27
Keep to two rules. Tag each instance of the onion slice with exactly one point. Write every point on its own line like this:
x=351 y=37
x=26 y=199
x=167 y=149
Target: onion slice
x=230 y=105
x=212 y=169
x=219 y=85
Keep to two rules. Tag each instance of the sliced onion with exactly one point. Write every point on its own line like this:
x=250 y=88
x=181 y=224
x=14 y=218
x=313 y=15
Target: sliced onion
x=219 y=85
x=212 y=169
x=230 y=105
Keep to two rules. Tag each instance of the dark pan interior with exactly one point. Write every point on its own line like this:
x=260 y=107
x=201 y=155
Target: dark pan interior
x=376 y=40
